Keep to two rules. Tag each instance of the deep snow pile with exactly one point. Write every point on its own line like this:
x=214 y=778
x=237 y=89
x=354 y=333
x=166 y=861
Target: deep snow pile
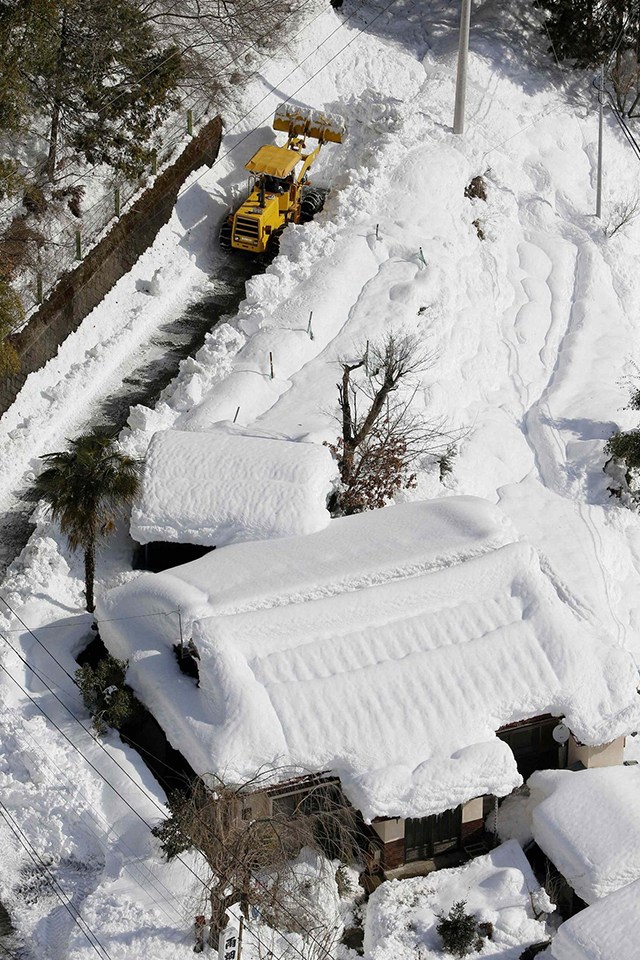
x=587 y=822
x=498 y=888
x=219 y=487
x=397 y=686
x=532 y=328
x=607 y=929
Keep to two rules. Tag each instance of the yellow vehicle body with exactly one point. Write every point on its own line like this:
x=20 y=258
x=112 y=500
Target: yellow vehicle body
x=279 y=192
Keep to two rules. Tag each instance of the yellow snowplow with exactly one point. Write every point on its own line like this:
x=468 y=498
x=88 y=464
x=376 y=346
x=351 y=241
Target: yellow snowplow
x=279 y=189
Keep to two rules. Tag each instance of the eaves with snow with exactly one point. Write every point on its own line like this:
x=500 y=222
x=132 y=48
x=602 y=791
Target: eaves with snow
x=387 y=649
x=588 y=824
x=607 y=930
x=218 y=487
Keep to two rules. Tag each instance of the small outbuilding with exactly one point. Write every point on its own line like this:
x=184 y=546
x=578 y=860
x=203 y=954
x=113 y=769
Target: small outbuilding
x=210 y=488
x=608 y=930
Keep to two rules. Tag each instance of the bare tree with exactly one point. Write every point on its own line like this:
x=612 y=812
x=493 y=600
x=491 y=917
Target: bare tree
x=213 y=34
x=249 y=841
x=622 y=214
x=380 y=442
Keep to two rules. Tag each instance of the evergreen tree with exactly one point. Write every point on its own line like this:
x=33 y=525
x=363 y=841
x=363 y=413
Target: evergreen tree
x=95 y=70
x=588 y=32
x=86 y=488
x=458 y=930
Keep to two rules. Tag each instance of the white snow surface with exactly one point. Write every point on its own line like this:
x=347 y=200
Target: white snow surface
x=534 y=330
x=607 y=930
x=214 y=488
x=398 y=686
x=499 y=888
x=588 y=824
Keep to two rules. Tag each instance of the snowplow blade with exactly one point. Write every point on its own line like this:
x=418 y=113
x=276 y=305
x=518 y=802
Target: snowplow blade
x=304 y=122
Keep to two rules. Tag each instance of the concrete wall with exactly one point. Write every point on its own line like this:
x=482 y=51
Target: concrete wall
x=607 y=755
x=80 y=291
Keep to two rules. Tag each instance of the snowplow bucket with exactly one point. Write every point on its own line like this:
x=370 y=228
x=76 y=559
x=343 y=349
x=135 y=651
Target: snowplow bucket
x=304 y=122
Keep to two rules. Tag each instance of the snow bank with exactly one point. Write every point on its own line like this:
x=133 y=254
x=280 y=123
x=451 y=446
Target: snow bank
x=217 y=487
x=395 y=681
x=499 y=888
x=588 y=824
x=608 y=929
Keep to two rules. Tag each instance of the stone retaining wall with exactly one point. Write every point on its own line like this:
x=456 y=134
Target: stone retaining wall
x=77 y=293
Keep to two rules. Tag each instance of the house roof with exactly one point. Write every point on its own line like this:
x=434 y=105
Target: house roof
x=606 y=930
x=588 y=824
x=386 y=649
x=214 y=488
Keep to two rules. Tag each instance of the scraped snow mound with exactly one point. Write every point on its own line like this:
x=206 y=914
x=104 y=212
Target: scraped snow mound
x=396 y=686
x=217 y=487
x=588 y=824
x=498 y=889
x=608 y=930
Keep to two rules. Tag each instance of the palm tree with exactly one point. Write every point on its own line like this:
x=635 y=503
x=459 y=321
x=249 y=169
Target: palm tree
x=86 y=488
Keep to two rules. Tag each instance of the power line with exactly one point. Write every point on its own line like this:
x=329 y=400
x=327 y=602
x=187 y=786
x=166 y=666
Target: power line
x=82 y=177
x=126 y=802
x=97 y=741
x=146 y=875
x=55 y=885
x=297 y=90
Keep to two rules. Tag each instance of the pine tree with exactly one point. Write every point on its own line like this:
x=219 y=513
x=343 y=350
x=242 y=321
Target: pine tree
x=95 y=70
x=458 y=930
x=589 y=31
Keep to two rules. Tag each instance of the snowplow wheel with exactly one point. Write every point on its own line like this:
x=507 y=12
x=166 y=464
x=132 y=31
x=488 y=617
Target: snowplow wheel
x=312 y=203
x=225 y=235
x=274 y=245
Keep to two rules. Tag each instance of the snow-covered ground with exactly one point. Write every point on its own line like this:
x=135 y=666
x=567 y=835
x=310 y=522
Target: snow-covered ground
x=532 y=329
x=498 y=889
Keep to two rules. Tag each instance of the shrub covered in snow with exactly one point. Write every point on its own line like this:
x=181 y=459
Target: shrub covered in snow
x=458 y=930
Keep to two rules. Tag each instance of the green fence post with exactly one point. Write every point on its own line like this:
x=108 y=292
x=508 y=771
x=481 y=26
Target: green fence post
x=78 y=245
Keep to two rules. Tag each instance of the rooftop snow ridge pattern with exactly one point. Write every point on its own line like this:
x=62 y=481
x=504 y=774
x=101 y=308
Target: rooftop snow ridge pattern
x=218 y=487
x=397 y=684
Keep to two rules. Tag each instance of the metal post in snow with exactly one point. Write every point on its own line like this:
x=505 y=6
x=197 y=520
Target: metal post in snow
x=39 y=287
x=154 y=163
x=271 y=363
x=78 y=245
x=600 y=138
x=309 y=327
x=190 y=122
x=366 y=361
x=236 y=415
x=181 y=638
x=116 y=200
x=461 y=78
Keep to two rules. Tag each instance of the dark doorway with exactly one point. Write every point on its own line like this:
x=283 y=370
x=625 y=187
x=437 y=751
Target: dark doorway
x=424 y=837
x=532 y=745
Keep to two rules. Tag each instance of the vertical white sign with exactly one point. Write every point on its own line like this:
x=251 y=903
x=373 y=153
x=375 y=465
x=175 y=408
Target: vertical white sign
x=228 y=944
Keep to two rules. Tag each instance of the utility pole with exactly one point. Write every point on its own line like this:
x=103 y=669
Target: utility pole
x=461 y=79
x=600 y=131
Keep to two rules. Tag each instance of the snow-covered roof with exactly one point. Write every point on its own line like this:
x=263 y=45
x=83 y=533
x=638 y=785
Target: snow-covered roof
x=387 y=649
x=607 y=930
x=218 y=487
x=588 y=824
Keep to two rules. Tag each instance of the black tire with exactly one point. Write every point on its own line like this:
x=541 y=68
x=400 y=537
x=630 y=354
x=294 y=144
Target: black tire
x=225 y=235
x=312 y=203
x=273 y=249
